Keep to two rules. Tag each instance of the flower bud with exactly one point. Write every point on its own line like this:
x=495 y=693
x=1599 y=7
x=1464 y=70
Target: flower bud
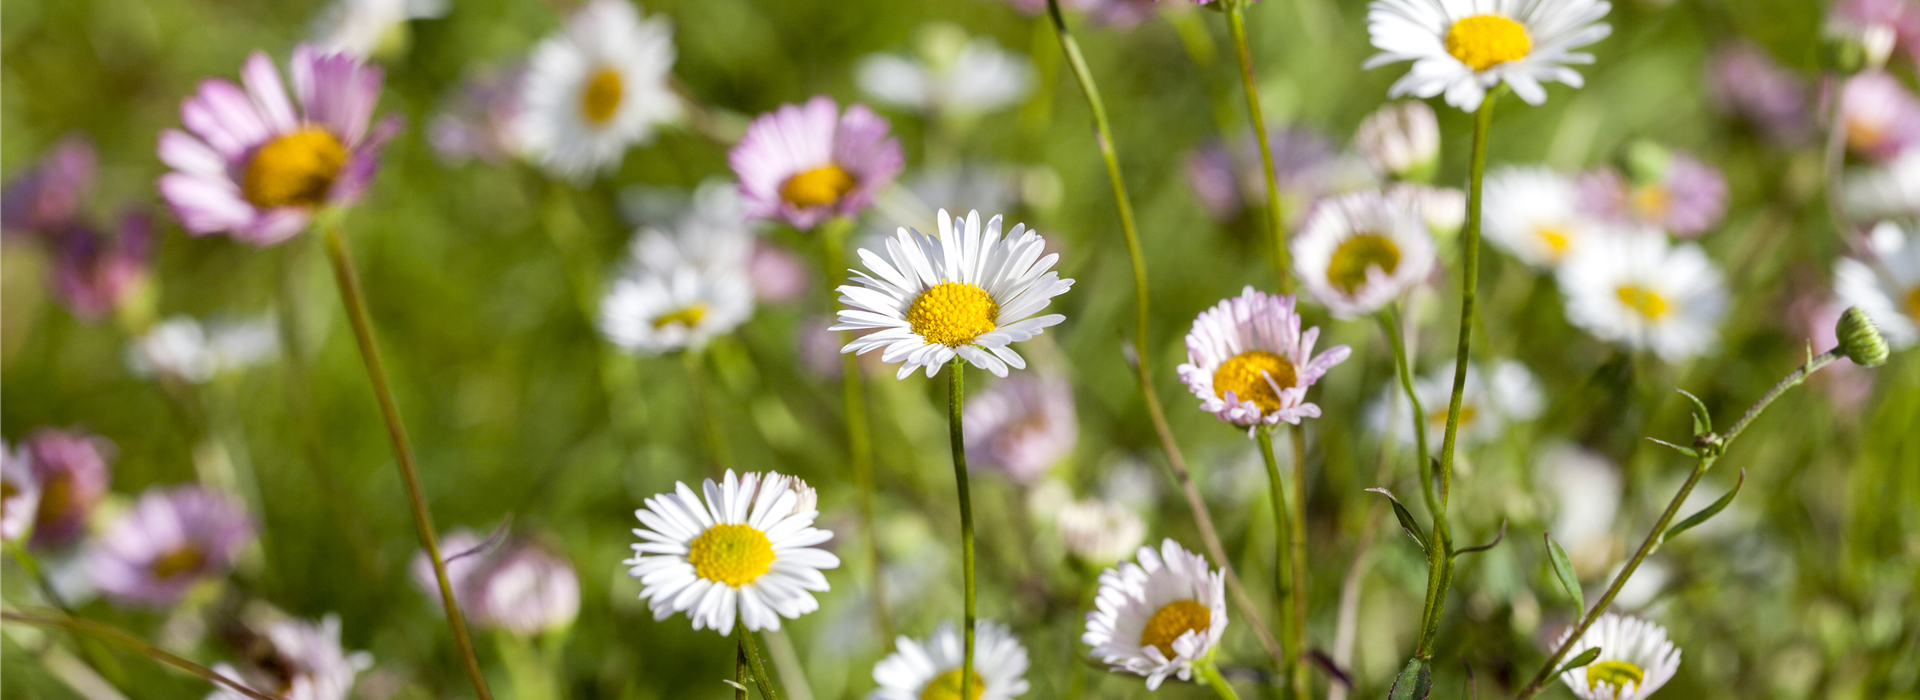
x=1402 y=140
x=1860 y=340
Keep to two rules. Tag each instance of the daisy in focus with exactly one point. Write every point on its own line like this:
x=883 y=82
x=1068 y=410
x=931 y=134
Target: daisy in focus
x=1634 y=288
x=1888 y=287
x=596 y=88
x=968 y=293
x=1534 y=214
x=1635 y=659
x=301 y=660
x=804 y=164
x=1250 y=364
x=170 y=540
x=1162 y=616
x=1463 y=48
x=747 y=551
x=1487 y=405
x=1362 y=251
x=930 y=670
x=256 y=168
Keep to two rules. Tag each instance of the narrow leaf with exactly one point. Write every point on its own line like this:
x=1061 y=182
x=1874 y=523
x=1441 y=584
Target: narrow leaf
x=1489 y=545
x=1702 y=421
x=1333 y=670
x=1473 y=693
x=1707 y=512
x=1585 y=657
x=1563 y=570
x=1413 y=683
x=1407 y=522
x=1688 y=451
x=736 y=685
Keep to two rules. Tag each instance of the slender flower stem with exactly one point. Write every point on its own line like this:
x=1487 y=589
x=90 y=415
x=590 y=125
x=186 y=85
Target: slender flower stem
x=1276 y=212
x=740 y=664
x=956 y=399
x=100 y=663
x=1390 y=324
x=1297 y=545
x=1202 y=518
x=355 y=302
x=1710 y=448
x=703 y=405
x=95 y=629
x=1210 y=673
x=752 y=652
x=853 y=398
x=1286 y=585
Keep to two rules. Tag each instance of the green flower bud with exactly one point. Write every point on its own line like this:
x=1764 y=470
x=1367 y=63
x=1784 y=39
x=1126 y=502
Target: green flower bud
x=1860 y=340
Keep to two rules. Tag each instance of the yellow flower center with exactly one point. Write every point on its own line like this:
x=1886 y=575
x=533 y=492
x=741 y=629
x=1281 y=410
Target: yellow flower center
x=953 y=314
x=1348 y=269
x=1647 y=302
x=56 y=496
x=1485 y=41
x=1617 y=673
x=1913 y=302
x=946 y=686
x=688 y=317
x=295 y=170
x=819 y=186
x=1168 y=623
x=1438 y=417
x=602 y=96
x=1246 y=376
x=1556 y=237
x=1651 y=201
x=177 y=562
x=732 y=554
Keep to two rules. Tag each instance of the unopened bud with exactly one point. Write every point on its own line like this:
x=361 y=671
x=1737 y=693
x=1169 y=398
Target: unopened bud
x=1860 y=340
x=1402 y=140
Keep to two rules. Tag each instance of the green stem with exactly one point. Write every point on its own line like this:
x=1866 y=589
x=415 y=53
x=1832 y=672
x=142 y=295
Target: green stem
x=703 y=405
x=1210 y=673
x=1282 y=555
x=956 y=398
x=740 y=664
x=1297 y=544
x=853 y=398
x=356 y=305
x=1276 y=210
x=101 y=663
x=752 y=651
x=136 y=644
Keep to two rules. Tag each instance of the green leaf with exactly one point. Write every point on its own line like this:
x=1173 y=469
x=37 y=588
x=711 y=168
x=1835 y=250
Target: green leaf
x=1563 y=570
x=1585 y=657
x=1707 y=512
x=1489 y=545
x=1406 y=519
x=1688 y=451
x=1413 y=683
x=1702 y=421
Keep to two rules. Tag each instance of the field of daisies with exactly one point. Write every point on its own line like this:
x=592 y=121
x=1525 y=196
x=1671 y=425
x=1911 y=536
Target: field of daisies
x=969 y=350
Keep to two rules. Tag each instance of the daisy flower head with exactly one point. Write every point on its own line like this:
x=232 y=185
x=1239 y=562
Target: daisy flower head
x=1250 y=364
x=1635 y=659
x=254 y=166
x=677 y=294
x=1879 y=115
x=968 y=292
x=184 y=349
x=1401 y=140
x=953 y=75
x=1462 y=48
x=302 y=659
x=1022 y=426
x=1361 y=251
x=806 y=163
x=1634 y=288
x=1099 y=532
x=365 y=28
x=930 y=670
x=170 y=540
x=597 y=87
x=1888 y=288
x=1159 y=616
x=48 y=196
x=1534 y=214
x=71 y=469
x=19 y=492
x=747 y=551
x=528 y=590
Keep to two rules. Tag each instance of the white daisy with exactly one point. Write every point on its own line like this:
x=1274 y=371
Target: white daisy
x=1888 y=289
x=953 y=75
x=931 y=670
x=1635 y=659
x=1464 y=47
x=1634 y=288
x=968 y=292
x=1401 y=140
x=1443 y=208
x=1533 y=214
x=1249 y=363
x=1159 y=617
x=1361 y=251
x=19 y=492
x=362 y=28
x=596 y=88
x=302 y=660
x=679 y=291
x=1099 y=532
x=1486 y=406
x=1891 y=189
x=184 y=349
x=747 y=550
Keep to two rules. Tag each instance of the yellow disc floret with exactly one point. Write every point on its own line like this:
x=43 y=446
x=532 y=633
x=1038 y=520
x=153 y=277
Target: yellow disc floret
x=295 y=170
x=1616 y=673
x=1646 y=302
x=1913 y=302
x=1485 y=41
x=731 y=553
x=946 y=686
x=1174 y=619
x=1348 y=268
x=688 y=317
x=178 y=562
x=953 y=314
x=601 y=98
x=1556 y=237
x=817 y=187
x=1246 y=376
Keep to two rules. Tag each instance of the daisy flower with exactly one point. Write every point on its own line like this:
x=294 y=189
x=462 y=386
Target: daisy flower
x=71 y=468
x=680 y=291
x=481 y=118
x=747 y=550
x=300 y=660
x=1401 y=140
x=94 y=271
x=1443 y=208
x=1744 y=81
x=597 y=87
x=969 y=293
x=170 y=540
x=1022 y=426
x=1632 y=287
x=1249 y=363
x=47 y=197
x=1487 y=405
x=930 y=670
x=804 y=164
x=1667 y=189
x=528 y=591
x=257 y=169
x=1880 y=116
x=1534 y=214
x=953 y=75
x=363 y=28
x=1099 y=532
x=19 y=492
x=1888 y=288
x=1160 y=617
x=184 y=349
x=1887 y=190
x=1462 y=48
x=1360 y=252
x=1635 y=659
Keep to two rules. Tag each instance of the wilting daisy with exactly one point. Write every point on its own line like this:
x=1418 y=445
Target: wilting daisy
x=680 y=291
x=1635 y=659
x=952 y=75
x=1634 y=288
x=1487 y=405
x=299 y=660
x=1888 y=288
x=1463 y=48
x=170 y=540
x=1099 y=532
x=969 y=293
x=19 y=492
x=1361 y=251
x=1534 y=214
x=804 y=164
x=71 y=467
x=746 y=550
x=596 y=88
x=363 y=28
x=257 y=169
x=1160 y=617
x=1022 y=426
x=930 y=670
x=1401 y=140
x=1250 y=364
x=184 y=349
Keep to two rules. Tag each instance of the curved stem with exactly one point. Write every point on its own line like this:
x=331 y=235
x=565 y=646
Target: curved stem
x=853 y=398
x=703 y=406
x=956 y=398
x=1210 y=673
x=355 y=302
x=760 y=677
x=95 y=629
x=1276 y=212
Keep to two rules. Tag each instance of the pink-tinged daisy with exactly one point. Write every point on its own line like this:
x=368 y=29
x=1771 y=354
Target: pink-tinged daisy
x=1879 y=26
x=1362 y=251
x=47 y=197
x=19 y=492
x=804 y=164
x=1744 y=81
x=94 y=272
x=296 y=660
x=528 y=590
x=1880 y=115
x=71 y=467
x=256 y=167
x=1250 y=364
x=1022 y=426
x=1162 y=616
x=170 y=540
x=1673 y=191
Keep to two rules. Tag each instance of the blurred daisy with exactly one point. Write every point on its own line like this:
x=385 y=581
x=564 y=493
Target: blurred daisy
x=1888 y=287
x=1463 y=48
x=466 y=555
x=1672 y=191
x=1533 y=214
x=95 y=272
x=183 y=349
x=746 y=550
x=47 y=197
x=596 y=88
x=953 y=75
x=1745 y=81
x=680 y=291
x=1401 y=140
x=1887 y=190
x=1360 y=252
x=1226 y=177
x=299 y=660
x=1443 y=208
x=1022 y=426
x=1159 y=617
x=528 y=590
x=481 y=118
x=1878 y=26
x=1099 y=532
x=1880 y=116
x=256 y=169
x=1487 y=404
x=804 y=164
x=1249 y=363
x=930 y=670
x=969 y=293
x=71 y=468
x=363 y=28
x=19 y=492
x=1632 y=287
x=170 y=540
x=1635 y=659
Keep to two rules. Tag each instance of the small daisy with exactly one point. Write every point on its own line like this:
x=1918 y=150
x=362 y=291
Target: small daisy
x=257 y=169
x=528 y=590
x=1888 y=289
x=299 y=660
x=1632 y=287
x=184 y=349
x=930 y=670
x=1099 y=532
x=746 y=550
x=1401 y=140
x=170 y=540
x=956 y=76
x=1160 y=617
x=1669 y=190
x=804 y=164
x=1249 y=363
x=1360 y=252
x=1022 y=426
x=1635 y=659
x=596 y=88
x=1880 y=116
x=1443 y=208
x=363 y=28
x=1465 y=47
x=95 y=272
x=71 y=468
x=1487 y=405
x=1534 y=214
x=968 y=292
x=680 y=291
x=19 y=492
